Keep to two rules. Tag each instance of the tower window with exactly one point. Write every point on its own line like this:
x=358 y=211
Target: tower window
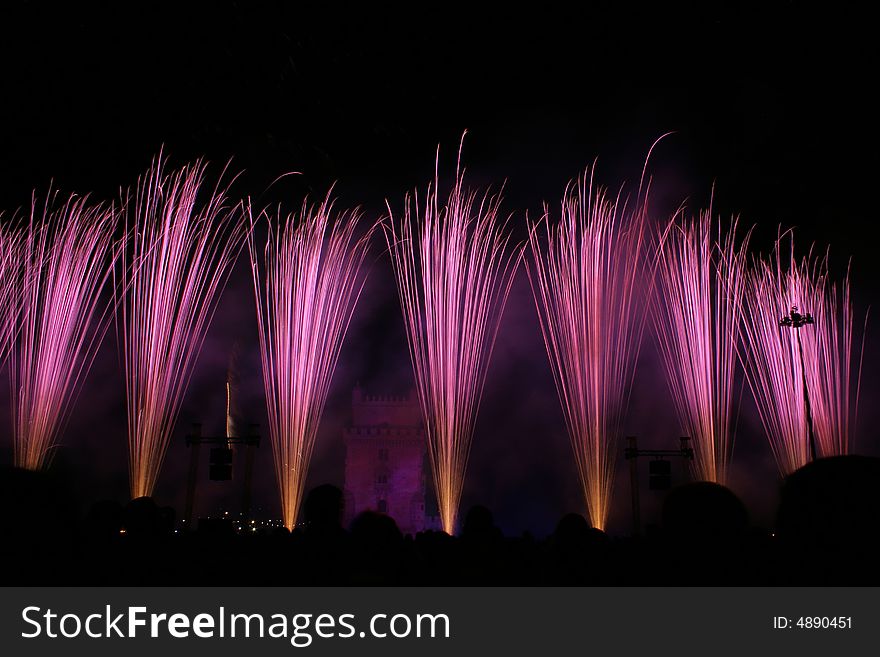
x=382 y=506
x=383 y=453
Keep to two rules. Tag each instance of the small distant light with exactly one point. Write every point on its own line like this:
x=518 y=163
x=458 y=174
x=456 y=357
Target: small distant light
x=122 y=531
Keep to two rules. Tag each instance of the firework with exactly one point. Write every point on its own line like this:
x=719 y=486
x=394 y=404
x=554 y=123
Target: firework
x=11 y=238
x=700 y=285
x=182 y=241
x=306 y=287
x=789 y=369
x=833 y=375
x=588 y=274
x=454 y=269
x=64 y=262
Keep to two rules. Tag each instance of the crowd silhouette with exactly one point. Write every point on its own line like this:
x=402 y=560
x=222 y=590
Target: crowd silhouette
x=827 y=532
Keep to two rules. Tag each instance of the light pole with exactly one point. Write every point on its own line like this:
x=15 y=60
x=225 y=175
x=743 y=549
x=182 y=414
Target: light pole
x=795 y=320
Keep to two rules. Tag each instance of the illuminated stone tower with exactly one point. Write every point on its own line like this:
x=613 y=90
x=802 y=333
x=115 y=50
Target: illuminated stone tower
x=385 y=459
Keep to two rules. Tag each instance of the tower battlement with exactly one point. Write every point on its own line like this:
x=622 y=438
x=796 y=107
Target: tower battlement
x=391 y=410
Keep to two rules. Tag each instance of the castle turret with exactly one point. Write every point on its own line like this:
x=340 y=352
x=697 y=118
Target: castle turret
x=385 y=459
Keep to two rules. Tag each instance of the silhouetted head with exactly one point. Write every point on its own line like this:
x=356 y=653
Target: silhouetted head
x=280 y=533
x=434 y=539
x=38 y=518
x=376 y=532
x=833 y=504
x=142 y=519
x=324 y=507
x=572 y=527
x=574 y=534
x=478 y=522
x=32 y=500
x=104 y=519
x=704 y=510
x=37 y=512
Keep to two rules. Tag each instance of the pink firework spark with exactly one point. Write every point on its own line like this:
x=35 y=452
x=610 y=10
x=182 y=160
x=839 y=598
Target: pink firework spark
x=701 y=276
x=454 y=269
x=588 y=275
x=182 y=241
x=11 y=238
x=307 y=285
x=65 y=261
x=833 y=375
x=772 y=357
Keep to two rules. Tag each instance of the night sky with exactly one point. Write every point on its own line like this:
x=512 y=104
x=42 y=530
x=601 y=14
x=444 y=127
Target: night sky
x=772 y=103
